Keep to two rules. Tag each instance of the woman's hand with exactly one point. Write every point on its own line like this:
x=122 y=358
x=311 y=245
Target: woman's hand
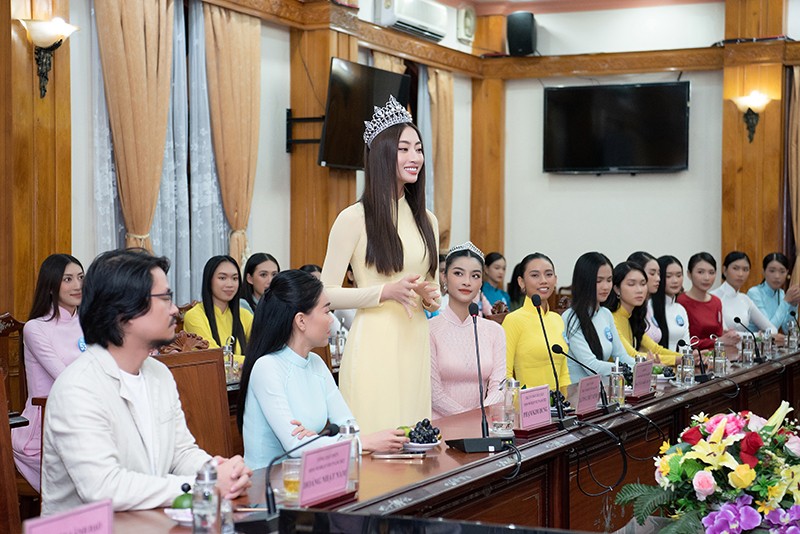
x=402 y=291
x=729 y=338
x=792 y=295
x=428 y=291
x=384 y=440
x=300 y=431
x=779 y=339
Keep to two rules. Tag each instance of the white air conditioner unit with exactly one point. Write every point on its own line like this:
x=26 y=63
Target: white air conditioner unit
x=423 y=18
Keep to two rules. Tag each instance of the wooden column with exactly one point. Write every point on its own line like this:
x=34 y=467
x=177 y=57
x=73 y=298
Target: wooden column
x=6 y=162
x=487 y=192
x=752 y=172
x=36 y=138
x=318 y=194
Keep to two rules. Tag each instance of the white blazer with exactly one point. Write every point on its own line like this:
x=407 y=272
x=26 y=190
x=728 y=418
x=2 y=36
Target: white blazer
x=92 y=446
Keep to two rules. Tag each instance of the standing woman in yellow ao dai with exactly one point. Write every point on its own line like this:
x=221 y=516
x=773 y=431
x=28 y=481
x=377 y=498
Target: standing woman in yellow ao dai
x=527 y=358
x=391 y=241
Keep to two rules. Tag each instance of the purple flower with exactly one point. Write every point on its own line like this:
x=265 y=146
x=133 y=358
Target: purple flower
x=783 y=521
x=732 y=518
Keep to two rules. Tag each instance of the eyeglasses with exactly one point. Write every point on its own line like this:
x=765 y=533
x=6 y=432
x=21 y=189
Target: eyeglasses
x=166 y=296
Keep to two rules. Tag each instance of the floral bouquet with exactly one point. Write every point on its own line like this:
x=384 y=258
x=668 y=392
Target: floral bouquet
x=728 y=473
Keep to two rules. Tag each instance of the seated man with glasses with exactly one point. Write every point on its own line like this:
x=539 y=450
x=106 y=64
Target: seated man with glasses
x=114 y=427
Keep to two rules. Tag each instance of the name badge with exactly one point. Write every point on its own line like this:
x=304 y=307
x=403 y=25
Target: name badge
x=641 y=378
x=81 y=344
x=534 y=406
x=609 y=335
x=323 y=473
x=588 y=394
x=96 y=517
x=679 y=320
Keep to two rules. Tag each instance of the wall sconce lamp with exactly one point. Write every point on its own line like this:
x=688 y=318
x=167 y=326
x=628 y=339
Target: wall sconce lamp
x=751 y=105
x=46 y=36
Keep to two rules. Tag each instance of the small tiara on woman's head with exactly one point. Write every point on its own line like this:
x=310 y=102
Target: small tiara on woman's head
x=466 y=246
x=389 y=115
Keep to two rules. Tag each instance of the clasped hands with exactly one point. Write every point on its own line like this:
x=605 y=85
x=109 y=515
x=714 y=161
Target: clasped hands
x=403 y=291
x=233 y=476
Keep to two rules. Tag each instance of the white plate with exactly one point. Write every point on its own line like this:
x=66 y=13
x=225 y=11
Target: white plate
x=182 y=516
x=417 y=447
x=662 y=378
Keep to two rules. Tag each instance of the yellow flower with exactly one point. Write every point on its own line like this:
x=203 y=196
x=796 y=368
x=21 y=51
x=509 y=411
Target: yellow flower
x=742 y=476
x=790 y=477
x=712 y=450
x=764 y=507
x=664 y=447
x=664 y=465
x=776 y=420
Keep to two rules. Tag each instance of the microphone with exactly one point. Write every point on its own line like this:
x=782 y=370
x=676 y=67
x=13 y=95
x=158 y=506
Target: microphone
x=607 y=408
x=757 y=359
x=331 y=430
x=703 y=376
x=563 y=421
x=484 y=443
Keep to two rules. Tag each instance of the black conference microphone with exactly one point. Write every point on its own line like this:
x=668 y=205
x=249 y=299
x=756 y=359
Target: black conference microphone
x=484 y=443
x=758 y=358
x=703 y=376
x=331 y=430
x=563 y=421
x=607 y=407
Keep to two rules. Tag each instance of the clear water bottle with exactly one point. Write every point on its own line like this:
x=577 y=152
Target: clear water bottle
x=206 y=500
x=720 y=363
x=511 y=403
x=792 y=336
x=617 y=383
x=227 y=523
x=341 y=339
x=230 y=362
x=748 y=349
x=766 y=345
x=349 y=431
x=687 y=365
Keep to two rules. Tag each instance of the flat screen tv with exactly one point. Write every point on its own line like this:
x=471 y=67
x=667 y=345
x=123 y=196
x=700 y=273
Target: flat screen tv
x=605 y=129
x=353 y=92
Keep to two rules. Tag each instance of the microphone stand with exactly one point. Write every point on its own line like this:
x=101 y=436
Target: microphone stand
x=484 y=443
x=758 y=358
x=703 y=376
x=607 y=406
x=564 y=422
x=330 y=430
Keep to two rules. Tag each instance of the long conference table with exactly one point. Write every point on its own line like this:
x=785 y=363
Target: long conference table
x=561 y=479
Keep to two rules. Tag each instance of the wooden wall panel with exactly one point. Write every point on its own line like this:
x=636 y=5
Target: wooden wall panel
x=487 y=191
x=317 y=193
x=40 y=147
x=6 y=202
x=754 y=18
x=490 y=35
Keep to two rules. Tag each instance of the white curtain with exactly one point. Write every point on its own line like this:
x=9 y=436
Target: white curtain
x=109 y=227
x=170 y=230
x=423 y=120
x=210 y=230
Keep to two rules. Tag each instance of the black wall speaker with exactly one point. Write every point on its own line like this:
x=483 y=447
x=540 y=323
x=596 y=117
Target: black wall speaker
x=521 y=33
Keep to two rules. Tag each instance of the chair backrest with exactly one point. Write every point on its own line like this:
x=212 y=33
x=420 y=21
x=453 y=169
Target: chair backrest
x=182 y=313
x=200 y=377
x=9 y=501
x=12 y=362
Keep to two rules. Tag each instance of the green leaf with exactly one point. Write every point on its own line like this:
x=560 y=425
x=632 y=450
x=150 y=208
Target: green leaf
x=648 y=503
x=630 y=492
x=692 y=467
x=689 y=523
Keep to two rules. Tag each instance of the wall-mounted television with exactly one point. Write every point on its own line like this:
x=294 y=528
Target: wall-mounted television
x=353 y=92
x=605 y=129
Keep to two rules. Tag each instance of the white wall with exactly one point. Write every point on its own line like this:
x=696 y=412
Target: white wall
x=566 y=215
x=793 y=19
x=83 y=245
x=627 y=30
x=269 y=215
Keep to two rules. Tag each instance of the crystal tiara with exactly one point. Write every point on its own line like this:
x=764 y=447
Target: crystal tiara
x=389 y=115
x=466 y=246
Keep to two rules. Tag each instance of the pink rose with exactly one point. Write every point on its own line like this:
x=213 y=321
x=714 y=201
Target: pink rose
x=756 y=423
x=733 y=424
x=704 y=485
x=793 y=445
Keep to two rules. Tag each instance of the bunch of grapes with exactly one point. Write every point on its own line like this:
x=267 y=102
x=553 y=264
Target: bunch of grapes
x=423 y=432
x=564 y=401
x=669 y=372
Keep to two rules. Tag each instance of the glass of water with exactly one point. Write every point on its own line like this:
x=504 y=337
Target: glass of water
x=748 y=349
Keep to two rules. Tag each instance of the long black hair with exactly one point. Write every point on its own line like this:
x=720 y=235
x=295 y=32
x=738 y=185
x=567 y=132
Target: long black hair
x=291 y=292
x=250 y=268
x=638 y=318
x=233 y=304
x=515 y=295
x=697 y=258
x=384 y=248
x=736 y=255
x=641 y=258
x=780 y=258
x=584 y=298
x=48 y=285
x=659 y=299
